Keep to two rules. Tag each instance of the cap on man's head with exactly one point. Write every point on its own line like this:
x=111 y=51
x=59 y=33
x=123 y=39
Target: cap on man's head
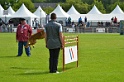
x=22 y=19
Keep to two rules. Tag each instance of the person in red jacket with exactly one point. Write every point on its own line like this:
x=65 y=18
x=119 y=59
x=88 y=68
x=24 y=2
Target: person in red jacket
x=23 y=33
x=115 y=20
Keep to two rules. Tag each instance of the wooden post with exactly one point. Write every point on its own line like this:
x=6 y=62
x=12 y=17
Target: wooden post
x=77 y=51
x=63 y=52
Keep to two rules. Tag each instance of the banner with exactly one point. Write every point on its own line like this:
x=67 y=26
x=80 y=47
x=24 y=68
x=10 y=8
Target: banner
x=70 y=54
x=100 y=29
x=70 y=29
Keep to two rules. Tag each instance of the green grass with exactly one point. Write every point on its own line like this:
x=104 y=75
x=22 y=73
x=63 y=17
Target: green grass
x=101 y=59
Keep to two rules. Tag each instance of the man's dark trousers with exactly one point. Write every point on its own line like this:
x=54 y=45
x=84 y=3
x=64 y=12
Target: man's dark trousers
x=53 y=60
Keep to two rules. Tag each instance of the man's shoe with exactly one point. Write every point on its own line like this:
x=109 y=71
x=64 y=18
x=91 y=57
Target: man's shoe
x=18 y=56
x=54 y=72
x=28 y=55
x=57 y=72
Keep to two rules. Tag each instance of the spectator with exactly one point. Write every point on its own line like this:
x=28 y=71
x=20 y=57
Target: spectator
x=36 y=23
x=115 y=20
x=69 y=20
x=112 y=19
x=66 y=21
x=80 y=21
x=85 y=20
x=88 y=24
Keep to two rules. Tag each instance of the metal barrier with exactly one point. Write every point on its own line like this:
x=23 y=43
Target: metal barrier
x=110 y=29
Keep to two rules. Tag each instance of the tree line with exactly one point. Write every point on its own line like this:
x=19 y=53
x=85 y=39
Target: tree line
x=82 y=6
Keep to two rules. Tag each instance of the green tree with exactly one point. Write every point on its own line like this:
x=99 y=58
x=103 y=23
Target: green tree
x=38 y=1
x=112 y=6
x=78 y=4
x=27 y=3
x=73 y=1
x=99 y=5
x=122 y=5
x=83 y=8
x=48 y=10
x=6 y=3
x=65 y=6
x=48 y=1
x=57 y=1
x=88 y=1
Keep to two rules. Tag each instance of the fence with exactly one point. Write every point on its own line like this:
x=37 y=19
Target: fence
x=111 y=29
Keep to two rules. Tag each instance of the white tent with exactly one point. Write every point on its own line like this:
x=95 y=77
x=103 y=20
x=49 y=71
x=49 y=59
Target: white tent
x=41 y=14
x=97 y=17
x=5 y=18
x=94 y=10
x=61 y=14
x=72 y=10
x=23 y=12
x=1 y=10
x=117 y=10
x=2 y=16
x=10 y=10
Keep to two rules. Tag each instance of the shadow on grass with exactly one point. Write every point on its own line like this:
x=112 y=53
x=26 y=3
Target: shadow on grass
x=41 y=72
x=21 y=68
x=8 y=56
x=35 y=73
x=30 y=71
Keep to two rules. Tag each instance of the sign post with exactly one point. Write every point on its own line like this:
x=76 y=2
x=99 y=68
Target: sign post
x=70 y=50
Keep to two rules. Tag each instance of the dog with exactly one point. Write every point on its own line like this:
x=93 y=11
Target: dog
x=34 y=37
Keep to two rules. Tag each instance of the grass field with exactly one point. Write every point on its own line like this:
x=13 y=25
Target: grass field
x=101 y=59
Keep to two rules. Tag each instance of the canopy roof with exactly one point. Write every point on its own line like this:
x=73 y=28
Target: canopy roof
x=40 y=13
x=23 y=12
x=94 y=10
x=117 y=10
x=1 y=10
x=10 y=10
x=97 y=17
x=60 y=12
x=72 y=10
x=2 y=13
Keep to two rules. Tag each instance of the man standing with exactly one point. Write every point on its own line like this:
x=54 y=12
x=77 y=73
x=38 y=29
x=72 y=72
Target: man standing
x=23 y=33
x=36 y=22
x=80 y=21
x=54 y=41
x=85 y=20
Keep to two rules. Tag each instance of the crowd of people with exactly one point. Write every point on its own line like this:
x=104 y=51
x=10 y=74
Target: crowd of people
x=81 y=23
x=114 y=21
x=6 y=27
x=71 y=23
x=84 y=24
